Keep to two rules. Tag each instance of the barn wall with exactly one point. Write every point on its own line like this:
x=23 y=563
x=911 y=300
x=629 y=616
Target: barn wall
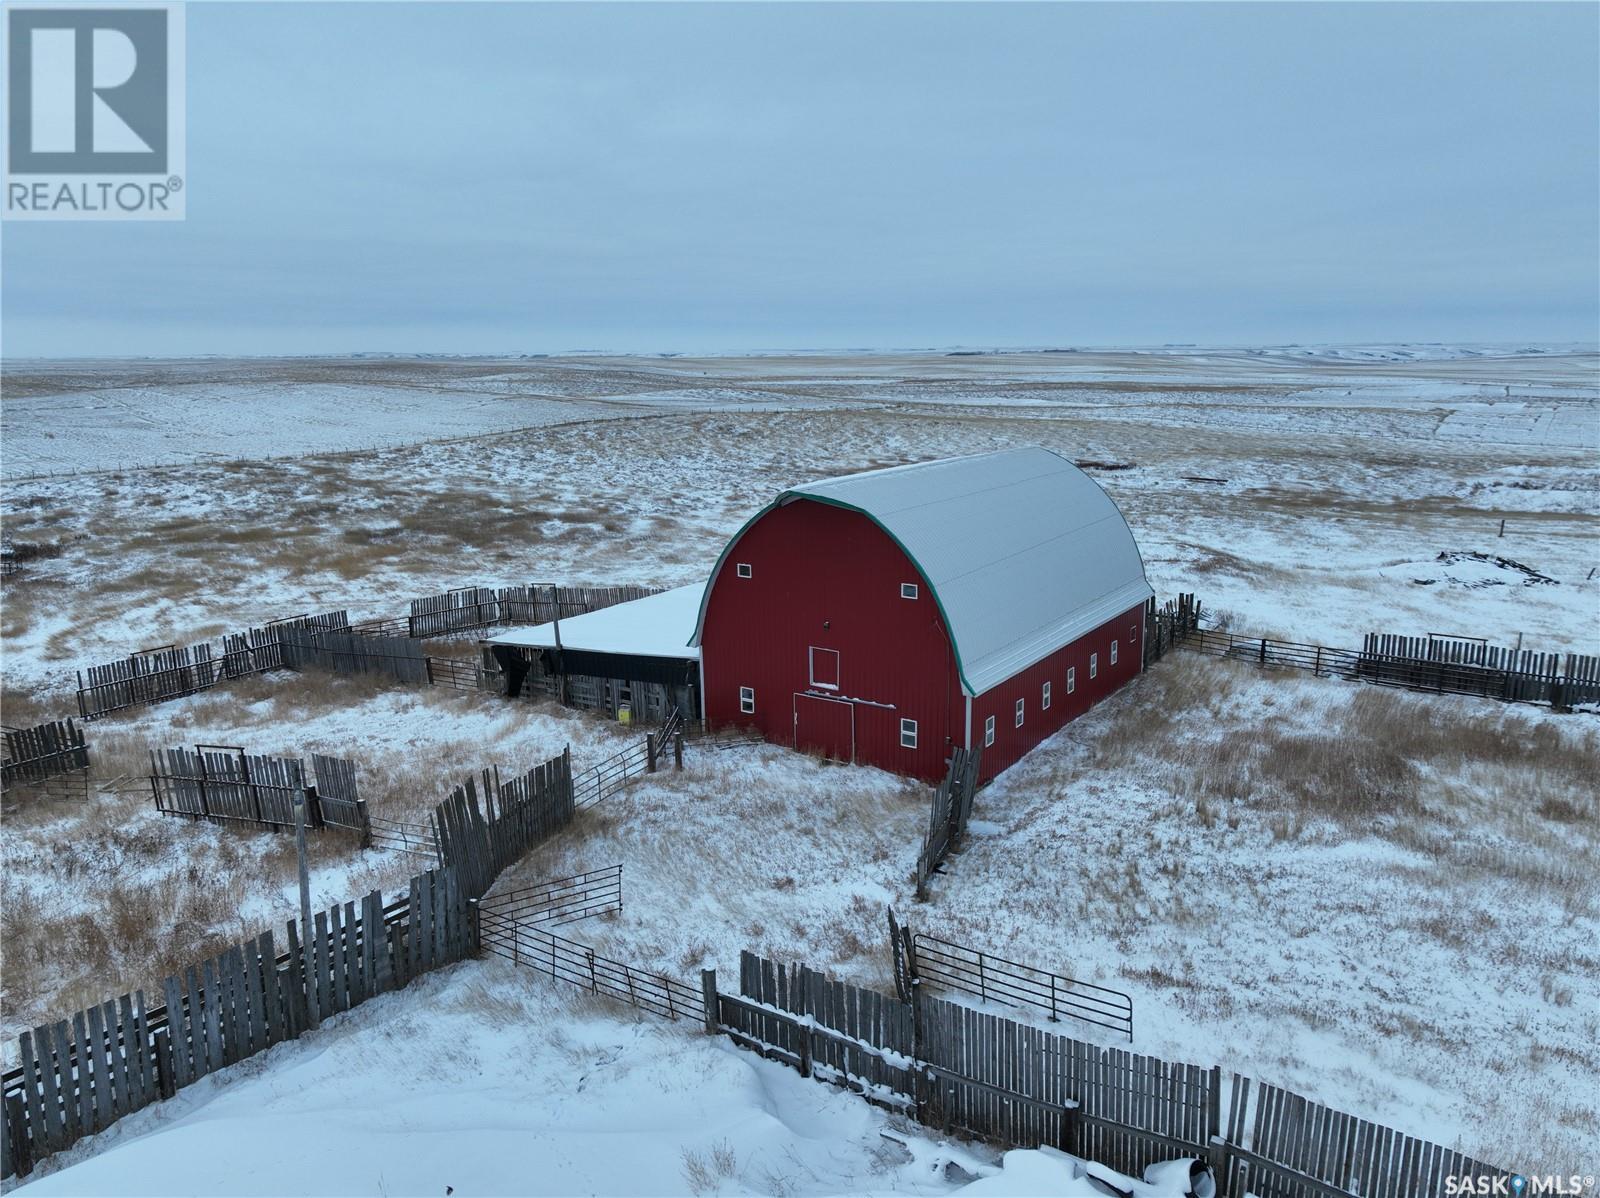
x=814 y=564
x=1011 y=742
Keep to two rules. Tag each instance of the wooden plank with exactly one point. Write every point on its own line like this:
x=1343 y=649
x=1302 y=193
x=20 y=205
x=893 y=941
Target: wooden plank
x=211 y=1015
x=295 y=1015
x=101 y=1066
x=355 y=989
x=46 y=1118
x=338 y=986
x=320 y=965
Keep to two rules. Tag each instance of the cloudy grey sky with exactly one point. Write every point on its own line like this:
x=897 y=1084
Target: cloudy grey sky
x=533 y=178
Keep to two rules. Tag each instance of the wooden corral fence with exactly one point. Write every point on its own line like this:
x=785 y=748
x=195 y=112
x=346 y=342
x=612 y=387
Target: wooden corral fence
x=1167 y=625
x=958 y=1069
x=76 y=1077
x=544 y=603
x=51 y=758
x=149 y=676
x=464 y=609
x=454 y=611
x=479 y=841
x=257 y=650
x=173 y=672
x=328 y=640
x=947 y=820
x=923 y=960
x=1471 y=667
x=394 y=657
x=224 y=784
x=1433 y=665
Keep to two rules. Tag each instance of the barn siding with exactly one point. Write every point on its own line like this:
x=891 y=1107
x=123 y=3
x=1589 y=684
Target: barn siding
x=813 y=563
x=1011 y=742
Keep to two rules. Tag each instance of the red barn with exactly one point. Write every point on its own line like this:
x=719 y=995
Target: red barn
x=886 y=617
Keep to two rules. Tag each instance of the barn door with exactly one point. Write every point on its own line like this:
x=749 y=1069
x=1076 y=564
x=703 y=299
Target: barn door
x=825 y=726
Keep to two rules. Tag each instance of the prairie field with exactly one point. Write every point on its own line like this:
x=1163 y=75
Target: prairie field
x=1384 y=901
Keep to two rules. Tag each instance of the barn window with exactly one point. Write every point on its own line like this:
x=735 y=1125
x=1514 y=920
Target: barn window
x=988 y=732
x=1019 y=713
x=1113 y=652
x=908 y=734
x=1094 y=664
x=908 y=590
x=1044 y=698
x=744 y=570
x=1133 y=634
x=1072 y=679
x=747 y=700
x=825 y=668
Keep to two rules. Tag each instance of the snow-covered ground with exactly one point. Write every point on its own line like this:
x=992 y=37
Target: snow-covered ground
x=1425 y=960
x=485 y=1079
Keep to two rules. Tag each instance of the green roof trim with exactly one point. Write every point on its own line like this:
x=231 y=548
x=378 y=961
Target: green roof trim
x=716 y=570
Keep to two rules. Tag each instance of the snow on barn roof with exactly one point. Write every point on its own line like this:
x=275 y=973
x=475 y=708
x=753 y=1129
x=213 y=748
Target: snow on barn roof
x=1023 y=552
x=658 y=625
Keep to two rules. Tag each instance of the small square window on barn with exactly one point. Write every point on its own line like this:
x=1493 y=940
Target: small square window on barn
x=908 y=590
x=1113 y=652
x=1072 y=679
x=747 y=700
x=1019 y=713
x=825 y=668
x=988 y=732
x=1044 y=698
x=744 y=570
x=908 y=734
x=1094 y=664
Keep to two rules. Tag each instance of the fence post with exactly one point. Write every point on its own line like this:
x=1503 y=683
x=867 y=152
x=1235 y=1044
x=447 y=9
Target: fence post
x=205 y=807
x=677 y=752
x=365 y=821
x=708 y=991
x=650 y=752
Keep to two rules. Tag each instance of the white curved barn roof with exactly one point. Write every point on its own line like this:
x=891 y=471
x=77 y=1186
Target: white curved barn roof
x=1023 y=552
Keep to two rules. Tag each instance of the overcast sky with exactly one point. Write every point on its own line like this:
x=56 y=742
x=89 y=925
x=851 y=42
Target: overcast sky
x=537 y=178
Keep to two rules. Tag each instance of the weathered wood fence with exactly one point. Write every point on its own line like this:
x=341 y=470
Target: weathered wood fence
x=329 y=641
x=76 y=1077
x=1167 y=625
x=478 y=842
x=1432 y=664
x=947 y=820
x=958 y=1069
x=1468 y=667
x=224 y=784
x=35 y=756
x=464 y=609
x=394 y=657
x=173 y=672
